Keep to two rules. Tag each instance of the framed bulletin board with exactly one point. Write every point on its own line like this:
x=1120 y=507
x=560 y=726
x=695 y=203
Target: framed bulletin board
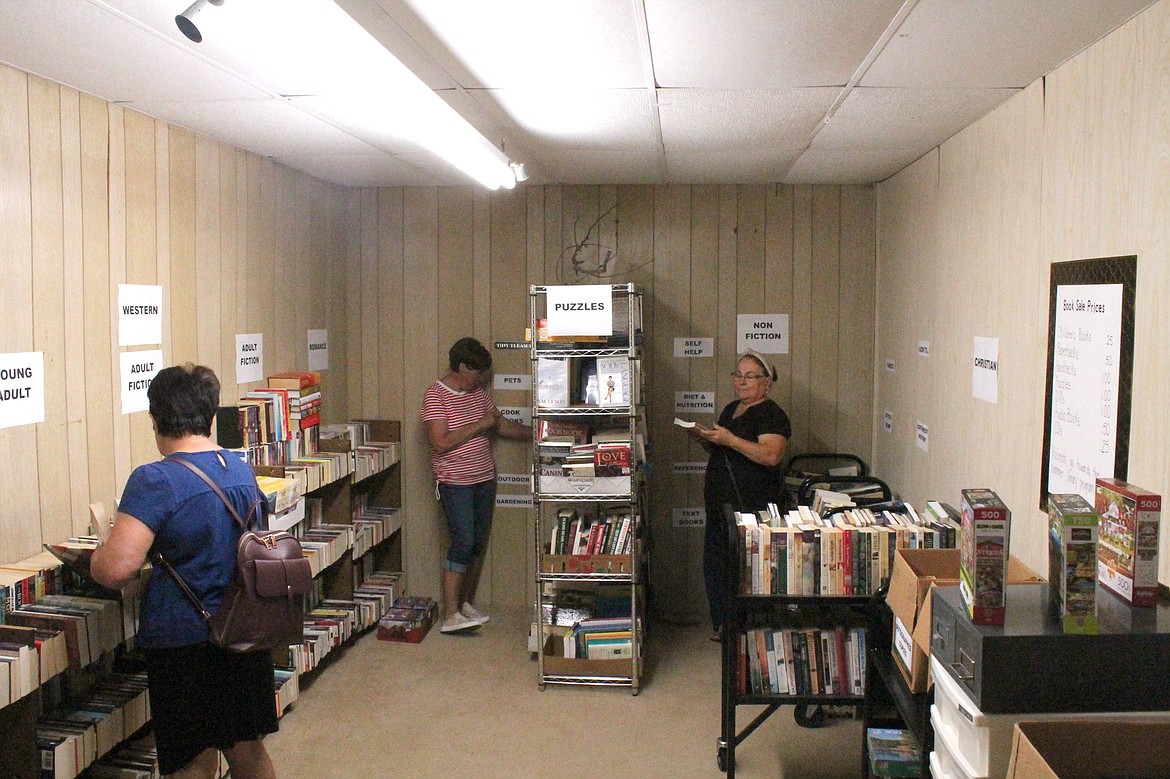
x=1089 y=389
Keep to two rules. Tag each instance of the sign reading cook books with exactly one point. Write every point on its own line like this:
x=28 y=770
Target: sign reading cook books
x=584 y=309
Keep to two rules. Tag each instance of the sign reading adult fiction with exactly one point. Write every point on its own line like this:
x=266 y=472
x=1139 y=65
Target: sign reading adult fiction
x=318 y=350
x=249 y=357
x=138 y=369
x=765 y=333
x=585 y=309
x=22 y=388
x=139 y=314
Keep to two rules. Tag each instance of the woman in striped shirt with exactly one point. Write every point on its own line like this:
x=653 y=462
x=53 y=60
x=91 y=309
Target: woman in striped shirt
x=461 y=418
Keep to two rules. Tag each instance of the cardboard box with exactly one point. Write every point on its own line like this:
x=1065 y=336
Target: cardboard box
x=1127 y=542
x=1090 y=749
x=409 y=621
x=915 y=572
x=1072 y=562
x=584 y=485
x=984 y=555
x=556 y=664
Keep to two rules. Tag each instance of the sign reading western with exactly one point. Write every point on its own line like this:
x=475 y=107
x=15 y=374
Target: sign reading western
x=694 y=347
x=579 y=310
x=249 y=357
x=22 y=388
x=139 y=314
x=694 y=402
x=512 y=381
x=318 y=350
x=766 y=333
x=138 y=370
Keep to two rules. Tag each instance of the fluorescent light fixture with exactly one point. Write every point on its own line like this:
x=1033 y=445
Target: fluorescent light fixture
x=315 y=55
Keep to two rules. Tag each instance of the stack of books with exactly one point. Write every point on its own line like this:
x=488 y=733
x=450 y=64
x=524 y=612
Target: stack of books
x=409 y=620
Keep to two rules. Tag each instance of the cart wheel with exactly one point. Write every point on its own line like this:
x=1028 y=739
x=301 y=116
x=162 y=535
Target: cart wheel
x=721 y=758
x=809 y=716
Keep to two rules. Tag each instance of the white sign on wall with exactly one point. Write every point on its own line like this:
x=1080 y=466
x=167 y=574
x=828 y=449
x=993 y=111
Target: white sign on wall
x=765 y=333
x=249 y=357
x=22 y=388
x=694 y=402
x=922 y=436
x=513 y=501
x=694 y=347
x=521 y=414
x=318 y=350
x=924 y=348
x=584 y=309
x=888 y=421
x=139 y=314
x=137 y=371
x=985 y=369
x=689 y=469
x=689 y=517
x=512 y=381
x=513 y=480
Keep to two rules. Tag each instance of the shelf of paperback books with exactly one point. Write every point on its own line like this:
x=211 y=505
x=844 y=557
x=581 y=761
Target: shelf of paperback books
x=588 y=466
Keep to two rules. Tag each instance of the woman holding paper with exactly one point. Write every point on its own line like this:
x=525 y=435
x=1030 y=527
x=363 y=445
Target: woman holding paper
x=746 y=447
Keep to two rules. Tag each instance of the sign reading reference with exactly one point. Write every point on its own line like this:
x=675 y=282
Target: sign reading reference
x=689 y=469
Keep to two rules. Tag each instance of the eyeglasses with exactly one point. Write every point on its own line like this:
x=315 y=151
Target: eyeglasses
x=749 y=376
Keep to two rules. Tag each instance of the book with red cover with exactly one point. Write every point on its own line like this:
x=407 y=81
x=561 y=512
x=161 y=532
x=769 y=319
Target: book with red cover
x=611 y=460
x=295 y=380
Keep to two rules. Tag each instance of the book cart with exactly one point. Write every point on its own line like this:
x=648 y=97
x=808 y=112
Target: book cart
x=558 y=491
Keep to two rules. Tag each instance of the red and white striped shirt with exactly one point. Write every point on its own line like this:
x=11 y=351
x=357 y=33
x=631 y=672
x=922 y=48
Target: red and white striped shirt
x=471 y=462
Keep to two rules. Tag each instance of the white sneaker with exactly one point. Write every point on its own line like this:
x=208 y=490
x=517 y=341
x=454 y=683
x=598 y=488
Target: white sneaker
x=457 y=623
x=471 y=612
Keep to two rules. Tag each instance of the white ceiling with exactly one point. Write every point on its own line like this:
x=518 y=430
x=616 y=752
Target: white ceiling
x=657 y=91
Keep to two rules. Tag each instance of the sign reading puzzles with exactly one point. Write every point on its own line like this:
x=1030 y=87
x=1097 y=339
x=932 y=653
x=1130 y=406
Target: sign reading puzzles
x=585 y=309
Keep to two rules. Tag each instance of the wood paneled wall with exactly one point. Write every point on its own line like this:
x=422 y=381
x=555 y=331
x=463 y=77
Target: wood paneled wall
x=1076 y=166
x=243 y=245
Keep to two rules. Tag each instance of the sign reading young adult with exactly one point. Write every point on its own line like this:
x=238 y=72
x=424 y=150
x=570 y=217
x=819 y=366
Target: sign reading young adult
x=318 y=350
x=585 y=309
x=765 y=333
x=139 y=314
x=22 y=388
x=249 y=357
x=138 y=369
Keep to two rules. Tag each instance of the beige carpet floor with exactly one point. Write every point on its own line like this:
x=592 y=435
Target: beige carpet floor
x=470 y=706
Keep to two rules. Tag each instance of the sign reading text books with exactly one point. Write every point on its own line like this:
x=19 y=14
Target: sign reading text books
x=1090 y=374
x=689 y=517
x=694 y=402
x=249 y=357
x=512 y=381
x=765 y=333
x=694 y=347
x=518 y=414
x=139 y=314
x=137 y=371
x=22 y=388
x=584 y=309
x=318 y=350
x=985 y=369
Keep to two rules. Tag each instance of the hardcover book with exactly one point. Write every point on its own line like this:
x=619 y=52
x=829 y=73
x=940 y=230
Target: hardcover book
x=613 y=381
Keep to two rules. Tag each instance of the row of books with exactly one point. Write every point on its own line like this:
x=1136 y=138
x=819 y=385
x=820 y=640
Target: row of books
x=611 y=533
x=373 y=525
x=135 y=759
x=92 y=626
x=848 y=552
x=808 y=661
x=287 y=688
x=29 y=657
x=562 y=382
x=274 y=424
x=330 y=622
x=73 y=738
x=600 y=638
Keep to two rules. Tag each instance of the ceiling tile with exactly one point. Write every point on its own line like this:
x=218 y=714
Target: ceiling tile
x=992 y=43
x=694 y=119
x=762 y=44
x=759 y=165
x=587 y=166
x=365 y=170
x=854 y=166
x=582 y=118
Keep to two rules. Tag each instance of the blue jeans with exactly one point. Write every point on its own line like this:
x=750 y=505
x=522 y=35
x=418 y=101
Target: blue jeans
x=469 y=519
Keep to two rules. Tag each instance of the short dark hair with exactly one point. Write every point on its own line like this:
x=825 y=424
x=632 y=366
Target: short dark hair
x=469 y=352
x=183 y=400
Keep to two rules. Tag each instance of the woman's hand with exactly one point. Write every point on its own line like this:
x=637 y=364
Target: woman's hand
x=716 y=435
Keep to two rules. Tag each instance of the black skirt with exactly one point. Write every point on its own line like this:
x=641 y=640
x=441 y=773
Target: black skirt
x=202 y=696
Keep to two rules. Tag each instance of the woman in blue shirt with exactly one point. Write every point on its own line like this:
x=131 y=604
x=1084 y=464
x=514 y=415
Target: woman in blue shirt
x=203 y=698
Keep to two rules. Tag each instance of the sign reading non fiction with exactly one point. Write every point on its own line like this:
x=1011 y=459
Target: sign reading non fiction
x=249 y=357
x=765 y=333
x=318 y=350
x=139 y=314
x=137 y=371
x=22 y=388
x=585 y=309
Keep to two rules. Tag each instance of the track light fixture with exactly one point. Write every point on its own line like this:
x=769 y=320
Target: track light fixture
x=518 y=171
x=186 y=20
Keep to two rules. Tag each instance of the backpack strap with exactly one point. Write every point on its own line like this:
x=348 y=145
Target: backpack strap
x=245 y=526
